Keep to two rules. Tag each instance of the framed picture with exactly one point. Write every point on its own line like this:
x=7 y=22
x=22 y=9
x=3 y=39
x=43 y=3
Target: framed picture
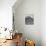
x=29 y=20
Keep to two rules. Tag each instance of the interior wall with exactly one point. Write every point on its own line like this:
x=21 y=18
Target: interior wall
x=6 y=13
x=43 y=22
x=29 y=31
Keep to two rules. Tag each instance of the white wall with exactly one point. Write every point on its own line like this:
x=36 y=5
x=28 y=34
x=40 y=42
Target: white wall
x=29 y=31
x=43 y=22
x=6 y=13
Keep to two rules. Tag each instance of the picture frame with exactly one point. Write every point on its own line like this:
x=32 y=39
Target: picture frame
x=29 y=20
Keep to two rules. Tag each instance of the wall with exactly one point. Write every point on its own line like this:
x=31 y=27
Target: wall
x=29 y=31
x=6 y=13
x=43 y=22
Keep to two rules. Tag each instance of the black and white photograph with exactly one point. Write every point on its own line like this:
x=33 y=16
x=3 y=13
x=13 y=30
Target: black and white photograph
x=29 y=20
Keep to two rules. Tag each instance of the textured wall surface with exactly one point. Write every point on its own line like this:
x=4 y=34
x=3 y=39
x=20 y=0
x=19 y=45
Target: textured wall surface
x=26 y=8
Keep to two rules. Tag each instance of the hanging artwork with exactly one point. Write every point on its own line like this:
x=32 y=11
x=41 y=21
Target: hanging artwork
x=29 y=20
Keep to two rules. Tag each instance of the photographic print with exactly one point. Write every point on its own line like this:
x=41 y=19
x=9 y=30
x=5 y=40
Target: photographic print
x=29 y=20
